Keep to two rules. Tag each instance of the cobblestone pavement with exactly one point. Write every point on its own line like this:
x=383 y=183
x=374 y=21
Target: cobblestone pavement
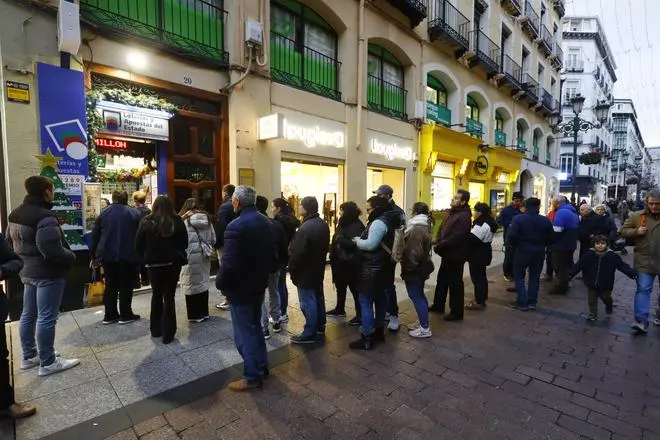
x=500 y=374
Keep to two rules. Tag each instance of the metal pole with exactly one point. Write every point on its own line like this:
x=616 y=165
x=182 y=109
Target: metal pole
x=618 y=170
x=576 y=125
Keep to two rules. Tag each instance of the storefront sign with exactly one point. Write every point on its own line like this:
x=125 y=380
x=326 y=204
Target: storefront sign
x=481 y=165
x=277 y=126
x=503 y=177
x=18 y=92
x=391 y=150
x=443 y=169
x=111 y=144
x=73 y=184
x=125 y=120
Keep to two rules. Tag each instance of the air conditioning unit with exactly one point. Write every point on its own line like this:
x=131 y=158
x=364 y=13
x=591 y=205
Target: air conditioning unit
x=68 y=27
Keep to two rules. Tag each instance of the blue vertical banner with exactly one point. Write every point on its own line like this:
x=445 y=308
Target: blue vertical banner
x=63 y=128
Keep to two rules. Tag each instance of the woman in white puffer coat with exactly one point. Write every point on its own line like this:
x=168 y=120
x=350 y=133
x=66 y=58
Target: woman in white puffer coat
x=195 y=275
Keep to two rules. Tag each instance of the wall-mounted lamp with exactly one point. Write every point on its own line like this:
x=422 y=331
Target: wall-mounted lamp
x=136 y=60
x=484 y=147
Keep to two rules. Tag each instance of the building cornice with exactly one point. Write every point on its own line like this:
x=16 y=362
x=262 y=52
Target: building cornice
x=602 y=45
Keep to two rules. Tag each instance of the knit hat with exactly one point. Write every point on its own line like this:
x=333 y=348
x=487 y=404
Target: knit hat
x=518 y=196
x=310 y=204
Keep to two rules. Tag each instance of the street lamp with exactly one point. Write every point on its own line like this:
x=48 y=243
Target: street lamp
x=575 y=126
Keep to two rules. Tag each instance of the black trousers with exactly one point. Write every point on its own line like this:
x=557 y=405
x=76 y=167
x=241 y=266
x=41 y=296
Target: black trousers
x=163 y=311
x=479 y=281
x=450 y=278
x=562 y=262
x=507 y=266
x=197 y=305
x=342 y=286
x=549 y=267
x=604 y=295
x=6 y=391
x=119 y=282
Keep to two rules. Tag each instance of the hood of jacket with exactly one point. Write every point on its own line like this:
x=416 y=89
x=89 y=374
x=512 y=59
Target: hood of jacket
x=197 y=219
x=418 y=220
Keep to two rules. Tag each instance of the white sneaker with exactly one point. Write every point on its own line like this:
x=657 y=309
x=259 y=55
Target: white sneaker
x=284 y=318
x=28 y=364
x=57 y=366
x=414 y=326
x=656 y=320
x=421 y=332
x=223 y=306
x=387 y=316
x=640 y=327
x=394 y=324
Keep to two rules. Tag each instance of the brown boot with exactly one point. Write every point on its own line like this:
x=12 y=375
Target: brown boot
x=243 y=385
x=19 y=411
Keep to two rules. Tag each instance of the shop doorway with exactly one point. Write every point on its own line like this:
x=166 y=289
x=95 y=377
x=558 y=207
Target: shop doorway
x=442 y=189
x=396 y=178
x=477 y=193
x=302 y=178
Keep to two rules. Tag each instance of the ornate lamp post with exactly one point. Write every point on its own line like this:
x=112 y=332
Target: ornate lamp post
x=575 y=126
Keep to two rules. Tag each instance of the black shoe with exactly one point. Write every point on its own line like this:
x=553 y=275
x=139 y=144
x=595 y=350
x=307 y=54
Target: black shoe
x=379 y=334
x=335 y=312
x=129 y=319
x=110 y=320
x=609 y=309
x=452 y=317
x=355 y=321
x=277 y=327
x=266 y=374
x=516 y=306
x=434 y=308
x=299 y=339
x=364 y=343
x=510 y=289
x=266 y=334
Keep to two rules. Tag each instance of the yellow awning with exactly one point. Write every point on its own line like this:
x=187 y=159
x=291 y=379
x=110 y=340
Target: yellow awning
x=441 y=143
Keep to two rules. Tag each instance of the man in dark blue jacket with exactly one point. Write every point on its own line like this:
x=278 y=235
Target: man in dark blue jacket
x=248 y=258
x=529 y=234
x=566 y=226
x=504 y=219
x=113 y=238
x=224 y=216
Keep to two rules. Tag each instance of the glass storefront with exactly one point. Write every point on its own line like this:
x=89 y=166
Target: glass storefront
x=377 y=176
x=442 y=189
x=477 y=192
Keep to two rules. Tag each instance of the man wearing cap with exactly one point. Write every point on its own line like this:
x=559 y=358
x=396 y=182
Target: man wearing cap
x=504 y=219
x=309 y=251
x=386 y=192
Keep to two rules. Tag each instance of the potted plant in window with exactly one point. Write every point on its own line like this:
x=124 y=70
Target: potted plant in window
x=632 y=180
x=590 y=158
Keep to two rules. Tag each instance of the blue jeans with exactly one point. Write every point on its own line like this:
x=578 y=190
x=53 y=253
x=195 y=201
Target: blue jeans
x=312 y=304
x=643 y=296
x=283 y=290
x=249 y=337
x=523 y=261
x=41 y=306
x=371 y=320
x=416 y=293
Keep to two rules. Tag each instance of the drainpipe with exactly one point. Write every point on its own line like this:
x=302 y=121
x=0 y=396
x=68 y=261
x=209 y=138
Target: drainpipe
x=360 y=79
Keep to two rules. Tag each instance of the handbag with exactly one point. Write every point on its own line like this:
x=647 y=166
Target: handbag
x=93 y=294
x=207 y=249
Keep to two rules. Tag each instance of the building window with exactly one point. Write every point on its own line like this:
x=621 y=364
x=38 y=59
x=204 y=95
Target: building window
x=303 y=49
x=472 y=109
x=473 y=127
x=436 y=101
x=193 y=27
x=576 y=25
x=499 y=122
x=566 y=166
x=500 y=135
x=385 y=89
x=572 y=89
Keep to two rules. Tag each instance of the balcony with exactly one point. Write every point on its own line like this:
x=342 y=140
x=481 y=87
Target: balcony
x=531 y=87
x=415 y=10
x=512 y=74
x=521 y=146
x=560 y=7
x=557 y=56
x=545 y=43
x=193 y=29
x=386 y=98
x=449 y=26
x=531 y=21
x=546 y=100
x=474 y=128
x=438 y=113
x=486 y=53
x=500 y=138
x=304 y=68
x=513 y=7
x=574 y=65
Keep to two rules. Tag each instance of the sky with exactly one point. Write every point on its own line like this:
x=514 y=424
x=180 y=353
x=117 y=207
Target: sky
x=633 y=33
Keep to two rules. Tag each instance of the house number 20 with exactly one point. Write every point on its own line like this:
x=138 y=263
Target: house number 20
x=187 y=80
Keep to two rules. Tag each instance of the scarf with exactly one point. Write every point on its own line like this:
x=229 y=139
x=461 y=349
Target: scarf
x=418 y=220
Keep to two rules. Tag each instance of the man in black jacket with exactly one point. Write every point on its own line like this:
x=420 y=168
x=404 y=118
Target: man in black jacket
x=139 y=203
x=282 y=214
x=10 y=266
x=505 y=218
x=113 y=246
x=248 y=258
x=224 y=216
x=309 y=252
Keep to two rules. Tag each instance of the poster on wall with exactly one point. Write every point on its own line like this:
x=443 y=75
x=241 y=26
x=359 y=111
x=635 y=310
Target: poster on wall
x=63 y=130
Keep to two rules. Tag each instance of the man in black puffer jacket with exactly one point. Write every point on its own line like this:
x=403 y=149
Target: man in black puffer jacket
x=309 y=252
x=283 y=215
x=224 y=216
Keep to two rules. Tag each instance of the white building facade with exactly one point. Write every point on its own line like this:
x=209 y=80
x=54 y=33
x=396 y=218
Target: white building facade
x=590 y=72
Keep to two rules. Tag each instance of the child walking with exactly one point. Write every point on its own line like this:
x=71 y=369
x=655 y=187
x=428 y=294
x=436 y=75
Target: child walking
x=598 y=266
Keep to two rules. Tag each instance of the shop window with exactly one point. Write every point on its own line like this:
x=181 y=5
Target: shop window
x=205 y=142
x=303 y=51
x=436 y=102
x=195 y=27
x=385 y=86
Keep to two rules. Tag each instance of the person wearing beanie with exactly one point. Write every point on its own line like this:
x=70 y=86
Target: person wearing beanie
x=529 y=234
x=309 y=251
x=505 y=218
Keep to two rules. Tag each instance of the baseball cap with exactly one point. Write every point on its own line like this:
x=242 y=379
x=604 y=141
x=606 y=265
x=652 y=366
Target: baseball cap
x=384 y=190
x=518 y=195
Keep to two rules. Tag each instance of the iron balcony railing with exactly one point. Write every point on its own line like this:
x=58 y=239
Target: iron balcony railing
x=560 y=7
x=500 y=138
x=415 y=10
x=574 y=65
x=192 y=28
x=536 y=151
x=386 y=98
x=512 y=71
x=474 y=128
x=533 y=21
x=530 y=85
x=304 y=68
x=557 y=55
x=548 y=157
x=521 y=145
x=438 y=113
x=546 y=39
x=547 y=101
x=445 y=19
x=488 y=53
x=512 y=6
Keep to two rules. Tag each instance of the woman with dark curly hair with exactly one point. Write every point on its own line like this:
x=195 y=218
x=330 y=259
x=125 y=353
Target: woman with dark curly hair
x=483 y=228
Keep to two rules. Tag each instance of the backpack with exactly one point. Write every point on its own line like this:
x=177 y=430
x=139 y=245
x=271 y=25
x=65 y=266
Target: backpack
x=396 y=253
x=633 y=241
